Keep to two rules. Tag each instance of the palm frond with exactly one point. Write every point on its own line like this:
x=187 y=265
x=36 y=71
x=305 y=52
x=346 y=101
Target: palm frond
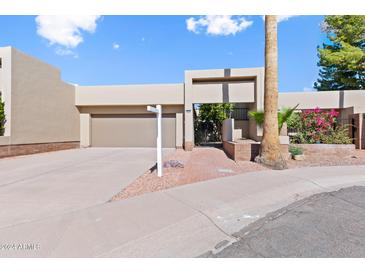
x=258 y=116
x=284 y=115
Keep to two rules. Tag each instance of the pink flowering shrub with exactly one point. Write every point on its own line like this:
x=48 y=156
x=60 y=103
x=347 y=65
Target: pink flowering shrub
x=317 y=123
x=320 y=126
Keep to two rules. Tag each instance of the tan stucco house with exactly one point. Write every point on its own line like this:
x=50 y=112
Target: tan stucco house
x=45 y=113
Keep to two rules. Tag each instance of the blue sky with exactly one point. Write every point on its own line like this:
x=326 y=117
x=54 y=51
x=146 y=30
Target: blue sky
x=157 y=49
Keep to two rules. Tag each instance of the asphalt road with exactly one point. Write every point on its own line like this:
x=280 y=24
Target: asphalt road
x=324 y=225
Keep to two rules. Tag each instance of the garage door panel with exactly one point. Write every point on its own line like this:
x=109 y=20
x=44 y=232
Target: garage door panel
x=131 y=130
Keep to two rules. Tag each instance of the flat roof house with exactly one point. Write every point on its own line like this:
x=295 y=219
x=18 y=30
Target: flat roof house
x=45 y=113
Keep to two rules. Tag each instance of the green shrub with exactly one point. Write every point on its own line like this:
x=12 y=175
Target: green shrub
x=295 y=150
x=294 y=122
x=208 y=124
x=338 y=135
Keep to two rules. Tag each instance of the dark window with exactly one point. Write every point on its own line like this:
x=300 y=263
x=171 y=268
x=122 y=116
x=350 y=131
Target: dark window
x=1 y=64
x=239 y=114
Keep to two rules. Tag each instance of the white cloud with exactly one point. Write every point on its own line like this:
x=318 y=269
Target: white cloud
x=65 y=52
x=65 y=30
x=115 y=45
x=282 y=18
x=218 y=24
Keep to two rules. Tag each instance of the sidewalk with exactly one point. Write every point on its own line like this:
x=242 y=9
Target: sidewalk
x=186 y=221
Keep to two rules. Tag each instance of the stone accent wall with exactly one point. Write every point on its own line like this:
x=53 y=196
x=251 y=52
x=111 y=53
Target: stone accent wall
x=326 y=150
x=247 y=151
x=16 y=150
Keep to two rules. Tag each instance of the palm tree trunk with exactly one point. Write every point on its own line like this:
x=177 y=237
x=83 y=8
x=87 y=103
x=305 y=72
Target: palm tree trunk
x=270 y=154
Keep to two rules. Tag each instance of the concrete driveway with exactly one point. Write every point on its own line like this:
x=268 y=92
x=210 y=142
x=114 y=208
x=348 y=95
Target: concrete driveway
x=37 y=186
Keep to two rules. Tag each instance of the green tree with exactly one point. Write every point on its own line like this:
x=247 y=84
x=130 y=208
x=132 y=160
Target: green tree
x=209 y=121
x=2 y=117
x=342 y=60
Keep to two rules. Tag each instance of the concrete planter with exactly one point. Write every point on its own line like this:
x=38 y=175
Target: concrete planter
x=247 y=150
x=326 y=150
x=299 y=157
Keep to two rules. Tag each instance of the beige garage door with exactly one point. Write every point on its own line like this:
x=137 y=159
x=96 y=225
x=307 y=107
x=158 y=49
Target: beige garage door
x=131 y=130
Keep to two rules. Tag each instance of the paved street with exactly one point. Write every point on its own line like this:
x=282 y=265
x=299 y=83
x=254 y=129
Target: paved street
x=323 y=225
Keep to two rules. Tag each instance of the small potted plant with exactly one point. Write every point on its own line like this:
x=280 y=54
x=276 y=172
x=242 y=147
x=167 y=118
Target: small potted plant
x=297 y=153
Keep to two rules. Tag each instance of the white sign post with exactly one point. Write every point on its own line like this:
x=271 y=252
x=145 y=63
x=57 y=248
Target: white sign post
x=158 y=111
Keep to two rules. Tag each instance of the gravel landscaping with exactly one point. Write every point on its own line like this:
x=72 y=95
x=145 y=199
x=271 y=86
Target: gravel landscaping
x=204 y=163
x=357 y=158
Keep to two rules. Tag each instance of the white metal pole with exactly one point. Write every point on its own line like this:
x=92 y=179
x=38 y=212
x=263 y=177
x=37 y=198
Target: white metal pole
x=159 y=141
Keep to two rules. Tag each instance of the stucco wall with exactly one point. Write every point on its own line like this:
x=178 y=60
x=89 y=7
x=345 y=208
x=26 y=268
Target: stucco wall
x=171 y=94
x=228 y=129
x=243 y=125
x=224 y=92
x=5 y=86
x=324 y=99
x=222 y=85
x=4 y=140
x=179 y=129
x=42 y=105
x=140 y=109
x=85 y=129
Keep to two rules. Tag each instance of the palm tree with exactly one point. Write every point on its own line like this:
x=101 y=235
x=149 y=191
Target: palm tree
x=270 y=154
x=283 y=116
